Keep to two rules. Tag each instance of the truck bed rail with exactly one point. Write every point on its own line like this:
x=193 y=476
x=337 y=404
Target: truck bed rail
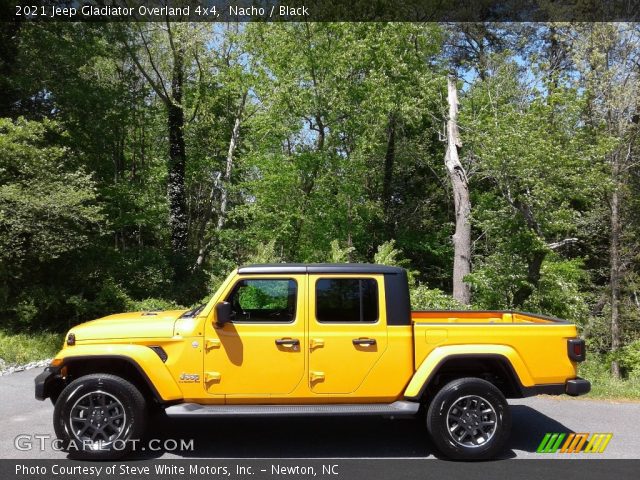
x=483 y=316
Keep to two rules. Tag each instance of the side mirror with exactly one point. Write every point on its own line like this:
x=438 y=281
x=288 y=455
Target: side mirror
x=223 y=313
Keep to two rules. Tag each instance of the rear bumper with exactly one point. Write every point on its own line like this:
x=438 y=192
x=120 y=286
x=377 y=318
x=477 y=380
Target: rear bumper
x=43 y=382
x=577 y=386
x=574 y=387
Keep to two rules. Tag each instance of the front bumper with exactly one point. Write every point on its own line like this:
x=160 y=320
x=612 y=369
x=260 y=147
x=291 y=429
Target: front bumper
x=45 y=380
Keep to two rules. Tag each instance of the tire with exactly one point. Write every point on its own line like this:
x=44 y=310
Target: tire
x=469 y=419
x=99 y=417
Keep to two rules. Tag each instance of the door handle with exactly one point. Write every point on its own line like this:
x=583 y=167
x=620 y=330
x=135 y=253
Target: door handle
x=364 y=342
x=211 y=377
x=288 y=342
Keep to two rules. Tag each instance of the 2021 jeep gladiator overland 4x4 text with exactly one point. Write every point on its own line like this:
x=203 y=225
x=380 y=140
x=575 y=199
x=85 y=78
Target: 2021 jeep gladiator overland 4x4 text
x=291 y=339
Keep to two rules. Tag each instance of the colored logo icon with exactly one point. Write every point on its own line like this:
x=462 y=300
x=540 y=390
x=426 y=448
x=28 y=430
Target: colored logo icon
x=574 y=443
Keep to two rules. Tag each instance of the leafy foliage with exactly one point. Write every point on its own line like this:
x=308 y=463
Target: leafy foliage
x=312 y=142
x=425 y=298
x=339 y=254
x=18 y=349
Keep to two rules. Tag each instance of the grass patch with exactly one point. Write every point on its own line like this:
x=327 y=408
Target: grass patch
x=597 y=370
x=21 y=348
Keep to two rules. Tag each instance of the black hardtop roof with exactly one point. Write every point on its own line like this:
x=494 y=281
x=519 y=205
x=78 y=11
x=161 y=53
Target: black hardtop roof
x=281 y=268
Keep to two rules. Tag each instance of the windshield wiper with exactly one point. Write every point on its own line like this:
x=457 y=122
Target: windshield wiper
x=193 y=312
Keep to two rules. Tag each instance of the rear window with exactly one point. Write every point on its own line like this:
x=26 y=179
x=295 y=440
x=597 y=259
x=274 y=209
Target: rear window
x=347 y=300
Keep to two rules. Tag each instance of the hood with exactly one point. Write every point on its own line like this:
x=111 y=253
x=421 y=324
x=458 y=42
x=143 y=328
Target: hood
x=129 y=325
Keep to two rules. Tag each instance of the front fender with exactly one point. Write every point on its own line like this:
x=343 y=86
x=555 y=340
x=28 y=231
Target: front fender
x=145 y=360
x=439 y=355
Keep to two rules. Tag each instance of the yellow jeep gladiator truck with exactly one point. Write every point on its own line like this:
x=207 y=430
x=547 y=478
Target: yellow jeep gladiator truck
x=316 y=339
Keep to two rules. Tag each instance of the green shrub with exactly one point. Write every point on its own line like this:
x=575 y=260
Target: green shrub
x=339 y=254
x=110 y=299
x=17 y=349
x=425 y=298
x=559 y=291
x=597 y=369
x=26 y=311
x=144 y=273
x=629 y=358
x=151 y=304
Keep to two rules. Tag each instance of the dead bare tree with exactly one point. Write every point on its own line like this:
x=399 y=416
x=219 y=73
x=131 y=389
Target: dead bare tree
x=462 y=202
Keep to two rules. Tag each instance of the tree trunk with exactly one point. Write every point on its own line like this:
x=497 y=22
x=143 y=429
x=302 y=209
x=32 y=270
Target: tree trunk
x=555 y=58
x=233 y=143
x=536 y=256
x=615 y=264
x=534 y=268
x=175 y=186
x=389 y=160
x=462 y=202
x=308 y=181
x=9 y=41
x=172 y=100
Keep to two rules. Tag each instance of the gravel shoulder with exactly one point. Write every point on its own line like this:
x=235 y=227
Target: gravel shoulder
x=8 y=370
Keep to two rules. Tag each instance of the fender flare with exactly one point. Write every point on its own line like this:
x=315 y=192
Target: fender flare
x=440 y=355
x=142 y=358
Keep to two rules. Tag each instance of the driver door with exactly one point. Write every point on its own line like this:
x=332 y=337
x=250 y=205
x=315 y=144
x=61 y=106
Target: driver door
x=260 y=352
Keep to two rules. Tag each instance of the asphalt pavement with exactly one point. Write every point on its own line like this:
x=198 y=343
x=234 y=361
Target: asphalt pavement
x=26 y=431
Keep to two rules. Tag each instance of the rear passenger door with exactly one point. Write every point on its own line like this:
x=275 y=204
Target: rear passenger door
x=347 y=330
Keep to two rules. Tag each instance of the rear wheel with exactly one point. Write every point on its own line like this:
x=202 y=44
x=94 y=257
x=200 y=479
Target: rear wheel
x=469 y=419
x=99 y=416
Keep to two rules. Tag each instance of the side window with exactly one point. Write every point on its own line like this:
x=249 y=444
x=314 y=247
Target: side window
x=263 y=300
x=348 y=300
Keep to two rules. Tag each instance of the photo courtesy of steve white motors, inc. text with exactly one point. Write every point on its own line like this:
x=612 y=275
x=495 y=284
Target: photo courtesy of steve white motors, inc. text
x=164 y=469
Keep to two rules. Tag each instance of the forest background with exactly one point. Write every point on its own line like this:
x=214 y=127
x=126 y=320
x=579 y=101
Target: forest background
x=141 y=162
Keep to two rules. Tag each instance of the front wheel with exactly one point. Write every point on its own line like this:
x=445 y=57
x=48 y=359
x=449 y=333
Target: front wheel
x=99 y=416
x=469 y=419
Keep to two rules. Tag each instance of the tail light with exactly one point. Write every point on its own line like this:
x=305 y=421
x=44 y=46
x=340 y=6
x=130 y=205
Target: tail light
x=576 y=349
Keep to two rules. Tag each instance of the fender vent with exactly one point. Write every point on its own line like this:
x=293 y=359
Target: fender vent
x=160 y=351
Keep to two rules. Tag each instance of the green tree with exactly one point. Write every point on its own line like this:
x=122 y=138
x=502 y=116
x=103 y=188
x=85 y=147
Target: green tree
x=48 y=208
x=537 y=172
x=606 y=55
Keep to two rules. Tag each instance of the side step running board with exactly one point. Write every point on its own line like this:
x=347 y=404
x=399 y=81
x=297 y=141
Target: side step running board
x=197 y=410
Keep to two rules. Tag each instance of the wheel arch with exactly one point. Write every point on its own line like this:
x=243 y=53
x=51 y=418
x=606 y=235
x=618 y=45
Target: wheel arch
x=123 y=366
x=495 y=368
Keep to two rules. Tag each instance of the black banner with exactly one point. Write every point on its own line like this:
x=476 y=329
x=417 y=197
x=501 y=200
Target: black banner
x=347 y=469
x=323 y=10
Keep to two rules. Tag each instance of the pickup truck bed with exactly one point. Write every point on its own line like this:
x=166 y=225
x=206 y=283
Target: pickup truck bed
x=528 y=341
